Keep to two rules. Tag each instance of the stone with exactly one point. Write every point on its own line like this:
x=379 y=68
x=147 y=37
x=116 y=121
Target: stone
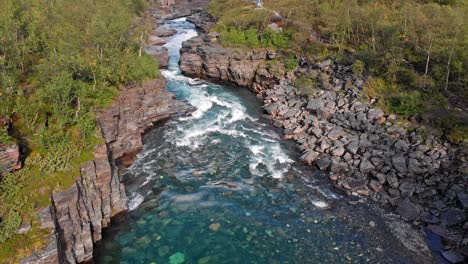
x=291 y=113
x=204 y=260
x=314 y=104
x=452 y=216
x=323 y=163
x=324 y=145
x=338 y=166
x=392 y=180
x=154 y=40
x=335 y=133
x=338 y=152
x=324 y=113
x=452 y=256
x=355 y=184
x=375 y=186
x=401 y=145
x=214 y=227
x=407 y=189
x=407 y=210
x=271 y=108
x=414 y=166
x=164 y=32
x=429 y=218
x=309 y=157
x=375 y=114
x=463 y=199
x=353 y=147
x=316 y=131
x=381 y=178
x=311 y=120
x=366 y=166
x=399 y=163
x=160 y=53
x=325 y=64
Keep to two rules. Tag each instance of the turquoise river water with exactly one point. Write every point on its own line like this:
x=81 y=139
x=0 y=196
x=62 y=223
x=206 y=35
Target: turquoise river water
x=221 y=186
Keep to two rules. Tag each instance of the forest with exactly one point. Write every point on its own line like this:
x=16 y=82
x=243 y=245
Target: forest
x=413 y=52
x=60 y=61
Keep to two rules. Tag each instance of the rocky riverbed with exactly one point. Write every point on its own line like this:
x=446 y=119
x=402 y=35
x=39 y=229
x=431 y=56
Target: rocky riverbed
x=367 y=152
x=221 y=186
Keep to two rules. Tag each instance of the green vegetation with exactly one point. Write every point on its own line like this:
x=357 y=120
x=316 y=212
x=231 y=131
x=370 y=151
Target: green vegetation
x=59 y=62
x=414 y=49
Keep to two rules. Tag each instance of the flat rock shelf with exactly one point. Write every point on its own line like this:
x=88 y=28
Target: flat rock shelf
x=221 y=186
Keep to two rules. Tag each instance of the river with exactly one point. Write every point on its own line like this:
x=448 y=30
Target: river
x=221 y=186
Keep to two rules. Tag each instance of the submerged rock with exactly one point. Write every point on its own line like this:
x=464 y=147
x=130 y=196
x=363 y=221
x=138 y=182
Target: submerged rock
x=214 y=227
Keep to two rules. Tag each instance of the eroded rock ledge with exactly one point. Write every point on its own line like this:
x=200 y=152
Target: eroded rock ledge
x=365 y=151
x=78 y=215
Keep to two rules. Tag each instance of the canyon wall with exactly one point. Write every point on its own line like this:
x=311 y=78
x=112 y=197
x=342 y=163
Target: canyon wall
x=78 y=215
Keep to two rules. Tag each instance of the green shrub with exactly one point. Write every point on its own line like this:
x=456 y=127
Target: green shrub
x=358 y=68
x=291 y=63
x=139 y=68
x=12 y=205
x=279 y=40
x=307 y=85
x=252 y=38
x=5 y=138
x=406 y=103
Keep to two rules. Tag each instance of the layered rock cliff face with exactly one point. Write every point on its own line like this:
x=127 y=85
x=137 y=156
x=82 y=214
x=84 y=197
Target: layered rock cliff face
x=78 y=215
x=365 y=151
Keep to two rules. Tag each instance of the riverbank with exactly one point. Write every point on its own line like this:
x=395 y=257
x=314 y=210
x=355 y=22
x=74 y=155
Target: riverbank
x=74 y=221
x=367 y=152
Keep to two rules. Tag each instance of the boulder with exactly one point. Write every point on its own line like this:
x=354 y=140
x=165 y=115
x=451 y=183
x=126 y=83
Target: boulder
x=314 y=104
x=338 y=152
x=392 y=180
x=375 y=114
x=353 y=147
x=453 y=256
x=366 y=166
x=323 y=163
x=407 y=189
x=164 y=32
x=309 y=157
x=414 y=166
x=271 y=108
x=399 y=163
x=452 y=216
x=407 y=210
x=155 y=40
x=401 y=145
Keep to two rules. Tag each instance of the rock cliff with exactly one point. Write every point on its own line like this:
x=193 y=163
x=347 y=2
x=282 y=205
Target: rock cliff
x=78 y=215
